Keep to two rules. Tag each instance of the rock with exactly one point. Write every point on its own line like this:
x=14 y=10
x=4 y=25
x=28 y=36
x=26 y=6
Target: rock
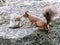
x=14 y=21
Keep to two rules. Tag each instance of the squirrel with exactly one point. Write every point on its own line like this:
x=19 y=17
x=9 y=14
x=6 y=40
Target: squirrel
x=42 y=25
x=49 y=12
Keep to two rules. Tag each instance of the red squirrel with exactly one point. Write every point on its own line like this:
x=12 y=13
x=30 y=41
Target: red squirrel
x=49 y=12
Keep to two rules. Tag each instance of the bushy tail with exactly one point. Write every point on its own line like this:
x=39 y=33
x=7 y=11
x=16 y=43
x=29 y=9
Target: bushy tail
x=48 y=17
x=49 y=14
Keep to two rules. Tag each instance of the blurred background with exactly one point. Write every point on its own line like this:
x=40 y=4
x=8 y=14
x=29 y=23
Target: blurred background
x=24 y=35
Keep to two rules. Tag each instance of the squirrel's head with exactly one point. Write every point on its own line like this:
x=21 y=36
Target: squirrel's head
x=26 y=14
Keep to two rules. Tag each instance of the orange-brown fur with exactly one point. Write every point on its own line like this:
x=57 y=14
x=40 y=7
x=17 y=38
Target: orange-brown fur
x=35 y=20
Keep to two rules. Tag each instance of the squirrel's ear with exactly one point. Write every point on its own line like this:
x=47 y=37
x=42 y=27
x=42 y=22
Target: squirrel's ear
x=26 y=14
